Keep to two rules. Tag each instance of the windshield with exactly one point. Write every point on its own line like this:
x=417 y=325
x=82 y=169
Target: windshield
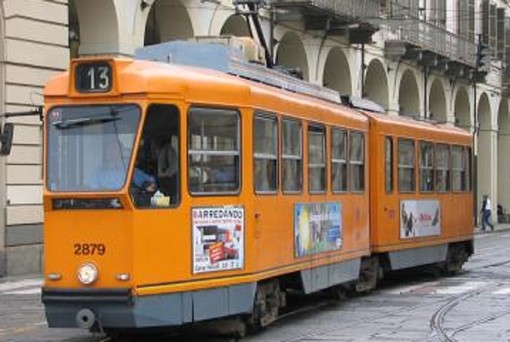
x=89 y=147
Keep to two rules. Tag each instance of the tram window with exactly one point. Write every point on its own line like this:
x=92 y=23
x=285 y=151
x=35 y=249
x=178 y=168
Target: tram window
x=458 y=169
x=265 y=157
x=406 y=175
x=339 y=160
x=426 y=166
x=155 y=179
x=316 y=159
x=356 y=162
x=90 y=147
x=213 y=151
x=388 y=164
x=292 y=156
x=442 y=168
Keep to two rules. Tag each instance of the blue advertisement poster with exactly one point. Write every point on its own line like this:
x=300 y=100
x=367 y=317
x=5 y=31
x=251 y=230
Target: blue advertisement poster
x=317 y=228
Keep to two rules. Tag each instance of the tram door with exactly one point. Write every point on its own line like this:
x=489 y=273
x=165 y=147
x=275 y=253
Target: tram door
x=158 y=156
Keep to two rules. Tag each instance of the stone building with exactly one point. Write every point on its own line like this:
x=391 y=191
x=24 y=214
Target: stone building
x=414 y=57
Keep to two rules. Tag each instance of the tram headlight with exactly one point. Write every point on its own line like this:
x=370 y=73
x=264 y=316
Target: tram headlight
x=87 y=273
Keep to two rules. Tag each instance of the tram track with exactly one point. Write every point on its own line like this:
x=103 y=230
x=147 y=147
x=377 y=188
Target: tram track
x=385 y=315
x=496 y=264
x=437 y=321
x=285 y=316
x=437 y=329
x=479 y=321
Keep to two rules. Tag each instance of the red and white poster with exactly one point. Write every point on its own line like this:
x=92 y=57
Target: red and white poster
x=420 y=218
x=218 y=238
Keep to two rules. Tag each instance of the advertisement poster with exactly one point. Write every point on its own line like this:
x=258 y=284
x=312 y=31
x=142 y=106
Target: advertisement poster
x=218 y=238
x=419 y=218
x=317 y=228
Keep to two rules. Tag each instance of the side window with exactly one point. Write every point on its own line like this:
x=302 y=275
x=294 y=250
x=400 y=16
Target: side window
x=357 y=161
x=316 y=159
x=292 y=156
x=265 y=160
x=458 y=169
x=155 y=181
x=442 y=168
x=338 y=160
x=426 y=166
x=213 y=151
x=406 y=178
x=388 y=164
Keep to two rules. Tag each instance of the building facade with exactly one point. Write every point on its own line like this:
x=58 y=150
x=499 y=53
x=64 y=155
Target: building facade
x=33 y=47
x=418 y=58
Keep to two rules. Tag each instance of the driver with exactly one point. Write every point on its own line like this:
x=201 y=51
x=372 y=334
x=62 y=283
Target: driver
x=144 y=181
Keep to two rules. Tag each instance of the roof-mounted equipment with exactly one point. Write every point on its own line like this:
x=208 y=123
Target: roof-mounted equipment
x=225 y=55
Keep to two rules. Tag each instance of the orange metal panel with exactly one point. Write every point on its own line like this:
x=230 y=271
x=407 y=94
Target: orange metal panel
x=155 y=246
x=385 y=208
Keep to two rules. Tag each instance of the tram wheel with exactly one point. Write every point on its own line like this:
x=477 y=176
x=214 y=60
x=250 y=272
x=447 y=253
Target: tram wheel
x=456 y=257
x=269 y=298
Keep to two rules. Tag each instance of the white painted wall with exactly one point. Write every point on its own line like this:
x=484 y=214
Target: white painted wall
x=35 y=48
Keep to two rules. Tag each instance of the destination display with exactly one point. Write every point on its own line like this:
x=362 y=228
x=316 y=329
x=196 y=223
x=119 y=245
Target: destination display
x=93 y=77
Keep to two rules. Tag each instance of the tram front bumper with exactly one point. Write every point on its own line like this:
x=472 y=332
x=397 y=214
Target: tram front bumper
x=120 y=309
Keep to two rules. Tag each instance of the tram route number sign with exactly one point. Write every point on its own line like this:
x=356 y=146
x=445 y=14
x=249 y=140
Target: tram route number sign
x=93 y=77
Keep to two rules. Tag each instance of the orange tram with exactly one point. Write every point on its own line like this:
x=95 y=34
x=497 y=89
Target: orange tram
x=182 y=194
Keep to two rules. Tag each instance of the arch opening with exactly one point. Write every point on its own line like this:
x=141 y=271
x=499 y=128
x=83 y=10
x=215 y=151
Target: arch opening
x=94 y=31
x=437 y=102
x=291 y=55
x=235 y=25
x=408 y=95
x=485 y=151
x=503 y=158
x=337 y=73
x=462 y=110
x=167 y=20
x=376 y=84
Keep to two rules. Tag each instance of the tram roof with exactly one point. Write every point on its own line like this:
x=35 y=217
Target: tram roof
x=133 y=76
x=406 y=126
x=202 y=85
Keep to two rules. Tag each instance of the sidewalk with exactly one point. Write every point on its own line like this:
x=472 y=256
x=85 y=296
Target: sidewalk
x=498 y=227
x=21 y=284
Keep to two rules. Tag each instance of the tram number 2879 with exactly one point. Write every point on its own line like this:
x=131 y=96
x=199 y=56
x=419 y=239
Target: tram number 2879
x=89 y=249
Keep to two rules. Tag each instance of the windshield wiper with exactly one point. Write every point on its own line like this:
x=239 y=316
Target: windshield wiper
x=71 y=123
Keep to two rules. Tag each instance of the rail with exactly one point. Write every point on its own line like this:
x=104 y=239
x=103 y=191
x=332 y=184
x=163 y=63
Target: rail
x=433 y=38
x=406 y=27
x=357 y=9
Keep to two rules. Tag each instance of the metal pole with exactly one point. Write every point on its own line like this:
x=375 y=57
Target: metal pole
x=475 y=157
x=3 y=209
x=425 y=82
x=362 y=70
x=475 y=140
x=271 y=32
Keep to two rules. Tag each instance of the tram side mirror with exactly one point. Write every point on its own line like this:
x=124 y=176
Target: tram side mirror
x=6 y=139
